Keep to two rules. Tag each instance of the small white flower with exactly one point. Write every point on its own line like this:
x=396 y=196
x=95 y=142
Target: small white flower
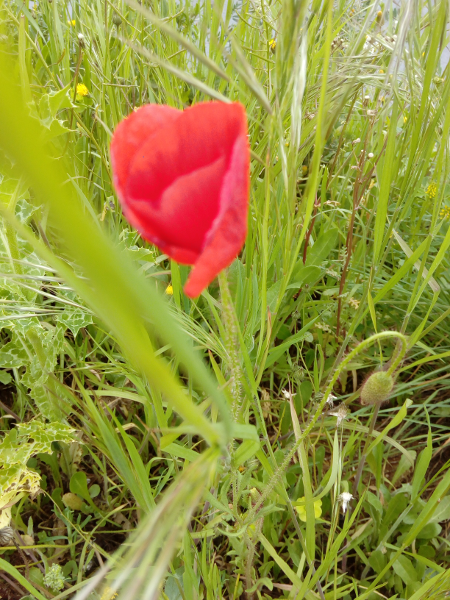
x=330 y=400
x=340 y=413
x=345 y=498
x=80 y=37
x=370 y=155
x=287 y=394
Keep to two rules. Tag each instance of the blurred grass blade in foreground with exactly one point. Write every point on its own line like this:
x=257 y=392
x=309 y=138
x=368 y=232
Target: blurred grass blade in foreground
x=110 y=283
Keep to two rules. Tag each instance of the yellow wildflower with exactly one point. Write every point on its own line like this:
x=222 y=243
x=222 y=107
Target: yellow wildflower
x=169 y=290
x=108 y=594
x=272 y=45
x=71 y=23
x=431 y=190
x=82 y=90
x=445 y=213
x=379 y=15
x=405 y=118
x=381 y=71
x=302 y=509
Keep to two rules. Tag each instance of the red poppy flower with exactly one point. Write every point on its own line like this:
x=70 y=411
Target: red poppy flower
x=183 y=178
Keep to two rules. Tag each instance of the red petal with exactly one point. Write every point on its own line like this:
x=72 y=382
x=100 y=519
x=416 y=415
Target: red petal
x=132 y=133
x=228 y=234
x=204 y=133
x=184 y=214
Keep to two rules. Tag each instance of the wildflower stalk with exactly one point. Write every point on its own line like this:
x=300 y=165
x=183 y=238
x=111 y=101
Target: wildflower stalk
x=399 y=353
x=251 y=539
x=360 y=187
x=362 y=461
x=289 y=455
x=232 y=350
x=231 y=343
x=358 y=475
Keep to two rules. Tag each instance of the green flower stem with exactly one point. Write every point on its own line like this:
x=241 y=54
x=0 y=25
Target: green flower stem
x=231 y=343
x=362 y=461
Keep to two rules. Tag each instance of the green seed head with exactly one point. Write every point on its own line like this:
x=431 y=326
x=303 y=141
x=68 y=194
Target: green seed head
x=377 y=388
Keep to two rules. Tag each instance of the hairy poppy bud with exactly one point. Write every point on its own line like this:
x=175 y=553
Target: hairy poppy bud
x=183 y=181
x=377 y=388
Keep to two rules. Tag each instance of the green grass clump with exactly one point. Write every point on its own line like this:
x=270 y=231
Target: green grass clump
x=219 y=448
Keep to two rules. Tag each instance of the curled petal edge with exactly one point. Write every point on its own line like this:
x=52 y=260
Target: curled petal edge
x=228 y=233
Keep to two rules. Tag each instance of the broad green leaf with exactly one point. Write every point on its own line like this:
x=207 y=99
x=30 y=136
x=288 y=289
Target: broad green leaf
x=322 y=248
x=375 y=502
x=377 y=560
x=13 y=355
x=442 y=512
x=74 y=320
x=78 y=485
x=5 y=377
x=429 y=532
x=404 y=569
x=304 y=275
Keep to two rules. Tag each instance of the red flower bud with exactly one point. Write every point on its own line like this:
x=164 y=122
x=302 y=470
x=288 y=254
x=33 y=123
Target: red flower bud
x=182 y=178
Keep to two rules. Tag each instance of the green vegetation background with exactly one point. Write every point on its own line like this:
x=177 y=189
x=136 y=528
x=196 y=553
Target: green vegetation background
x=189 y=449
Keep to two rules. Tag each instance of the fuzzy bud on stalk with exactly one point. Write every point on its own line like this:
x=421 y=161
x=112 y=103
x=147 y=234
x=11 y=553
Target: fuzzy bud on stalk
x=377 y=388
